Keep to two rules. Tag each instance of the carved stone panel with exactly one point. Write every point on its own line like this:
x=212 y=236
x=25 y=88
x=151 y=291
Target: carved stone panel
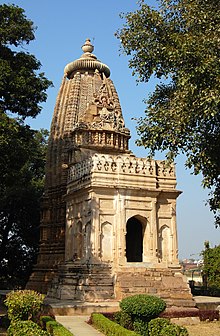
x=106 y=241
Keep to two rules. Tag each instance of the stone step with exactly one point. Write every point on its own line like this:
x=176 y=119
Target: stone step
x=170 y=286
x=71 y=307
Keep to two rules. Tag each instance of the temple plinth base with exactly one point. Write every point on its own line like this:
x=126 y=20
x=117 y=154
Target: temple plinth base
x=83 y=282
x=165 y=283
x=97 y=282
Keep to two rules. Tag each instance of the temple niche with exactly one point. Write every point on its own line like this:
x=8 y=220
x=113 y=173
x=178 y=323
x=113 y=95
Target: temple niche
x=108 y=225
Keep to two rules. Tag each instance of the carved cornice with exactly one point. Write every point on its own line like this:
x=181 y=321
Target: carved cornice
x=120 y=164
x=101 y=140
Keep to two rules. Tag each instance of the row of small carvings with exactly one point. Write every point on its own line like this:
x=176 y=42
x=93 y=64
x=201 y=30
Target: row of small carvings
x=120 y=164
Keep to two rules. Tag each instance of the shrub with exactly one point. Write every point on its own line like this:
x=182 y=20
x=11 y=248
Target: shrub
x=173 y=330
x=163 y=327
x=110 y=316
x=123 y=319
x=27 y=328
x=140 y=326
x=155 y=326
x=53 y=327
x=108 y=327
x=143 y=305
x=23 y=304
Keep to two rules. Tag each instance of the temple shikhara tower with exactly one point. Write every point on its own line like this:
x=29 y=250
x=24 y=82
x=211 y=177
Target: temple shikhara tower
x=108 y=225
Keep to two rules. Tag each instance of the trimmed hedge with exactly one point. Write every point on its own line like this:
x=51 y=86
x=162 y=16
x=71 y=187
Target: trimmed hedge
x=122 y=318
x=144 y=306
x=53 y=327
x=27 y=328
x=108 y=327
x=163 y=327
x=140 y=326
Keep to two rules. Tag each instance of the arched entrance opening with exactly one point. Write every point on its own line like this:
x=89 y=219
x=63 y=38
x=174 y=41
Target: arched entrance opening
x=134 y=240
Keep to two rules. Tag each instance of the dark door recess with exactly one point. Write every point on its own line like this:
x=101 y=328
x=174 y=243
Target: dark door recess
x=134 y=240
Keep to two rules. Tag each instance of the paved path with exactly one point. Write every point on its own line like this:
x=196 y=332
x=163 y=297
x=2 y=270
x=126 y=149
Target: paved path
x=77 y=325
x=205 y=299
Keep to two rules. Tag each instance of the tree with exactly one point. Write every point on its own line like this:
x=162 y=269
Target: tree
x=178 y=43
x=21 y=189
x=22 y=150
x=211 y=268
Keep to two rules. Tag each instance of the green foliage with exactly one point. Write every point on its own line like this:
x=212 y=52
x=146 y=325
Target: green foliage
x=140 y=327
x=108 y=327
x=22 y=150
x=15 y=28
x=163 y=327
x=142 y=305
x=23 y=304
x=54 y=328
x=178 y=43
x=156 y=326
x=22 y=87
x=27 y=328
x=211 y=267
x=22 y=162
x=123 y=319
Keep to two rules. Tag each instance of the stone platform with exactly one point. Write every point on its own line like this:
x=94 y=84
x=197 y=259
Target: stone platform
x=207 y=302
x=71 y=308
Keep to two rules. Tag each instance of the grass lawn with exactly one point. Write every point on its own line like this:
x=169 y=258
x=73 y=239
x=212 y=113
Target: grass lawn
x=204 y=329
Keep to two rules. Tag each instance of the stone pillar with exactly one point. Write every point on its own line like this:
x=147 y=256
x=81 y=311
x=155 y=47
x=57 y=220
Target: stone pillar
x=174 y=234
x=122 y=229
x=95 y=229
x=155 y=230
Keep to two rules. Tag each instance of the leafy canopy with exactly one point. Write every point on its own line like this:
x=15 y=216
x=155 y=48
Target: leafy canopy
x=211 y=267
x=22 y=150
x=178 y=43
x=22 y=162
x=22 y=88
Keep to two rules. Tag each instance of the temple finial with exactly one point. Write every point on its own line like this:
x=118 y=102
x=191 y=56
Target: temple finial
x=87 y=46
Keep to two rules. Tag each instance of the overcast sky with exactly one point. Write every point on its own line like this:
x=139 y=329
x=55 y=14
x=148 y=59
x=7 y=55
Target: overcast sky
x=62 y=27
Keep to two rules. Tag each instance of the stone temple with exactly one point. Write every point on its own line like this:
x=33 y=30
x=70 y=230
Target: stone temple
x=108 y=226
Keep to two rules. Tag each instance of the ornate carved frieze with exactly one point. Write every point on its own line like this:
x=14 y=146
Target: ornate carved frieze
x=123 y=171
x=112 y=164
x=100 y=139
x=165 y=169
x=121 y=164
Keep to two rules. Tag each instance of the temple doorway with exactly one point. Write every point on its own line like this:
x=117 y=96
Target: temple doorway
x=134 y=240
